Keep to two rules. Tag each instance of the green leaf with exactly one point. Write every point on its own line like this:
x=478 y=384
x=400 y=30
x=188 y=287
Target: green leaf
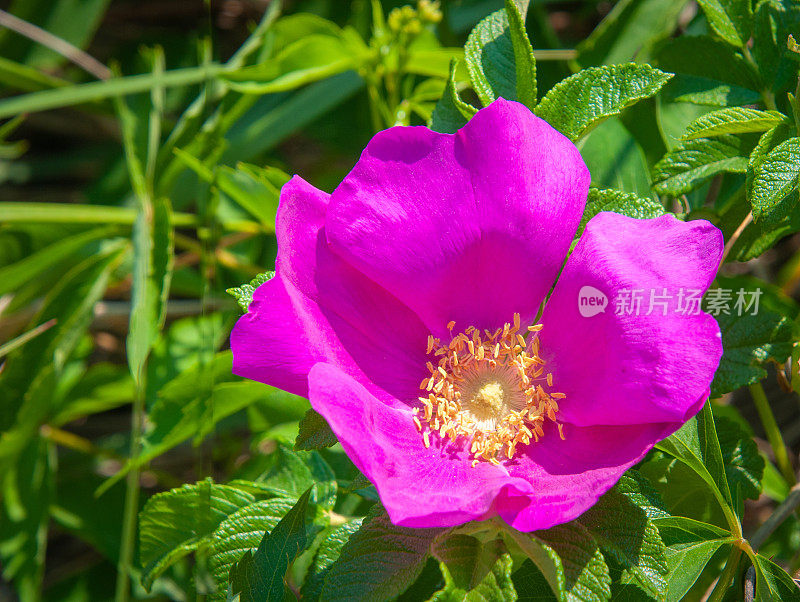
x=244 y=294
x=489 y=53
x=731 y=19
x=691 y=163
x=176 y=522
x=28 y=492
x=255 y=189
x=707 y=71
x=273 y=118
x=750 y=341
x=619 y=202
x=586 y=575
x=240 y=532
x=103 y=387
x=327 y=553
x=25 y=78
x=773 y=583
x=314 y=432
x=568 y=559
x=531 y=584
x=629 y=31
x=757 y=238
x=465 y=560
x=733 y=120
x=690 y=546
x=696 y=445
x=432 y=62
x=260 y=576
x=643 y=122
x=359 y=482
x=547 y=562
x=289 y=473
x=496 y=585
x=774 y=21
x=27 y=382
x=500 y=59
x=615 y=159
x=50 y=257
x=684 y=492
x=773 y=483
x=744 y=466
x=306 y=60
x=774 y=179
x=153 y=257
x=580 y=102
x=524 y=62
x=196 y=400
x=766 y=144
x=451 y=113
x=624 y=530
x=291 y=28
x=640 y=491
x=379 y=561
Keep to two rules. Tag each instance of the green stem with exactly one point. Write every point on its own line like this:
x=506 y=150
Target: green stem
x=131 y=499
x=769 y=100
x=728 y=575
x=796 y=106
x=374 y=106
x=767 y=97
x=773 y=432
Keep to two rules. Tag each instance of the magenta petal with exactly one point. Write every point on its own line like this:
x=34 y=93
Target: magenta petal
x=568 y=476
x=419 y=486
x=319 y=308
x=270 y=343
x=632 y=369
x=470 y=227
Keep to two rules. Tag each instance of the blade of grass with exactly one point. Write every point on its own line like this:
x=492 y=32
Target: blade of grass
x=69 y=213
x=111 y=88
x=73 y=54
x=13 y=344
x=35 y=264
x=156 y=114
x=773 y=432
x=153 y=241
x=188 y=123
x=25 y=78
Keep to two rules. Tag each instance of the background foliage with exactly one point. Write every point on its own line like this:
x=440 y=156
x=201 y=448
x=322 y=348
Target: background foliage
x=138 y=189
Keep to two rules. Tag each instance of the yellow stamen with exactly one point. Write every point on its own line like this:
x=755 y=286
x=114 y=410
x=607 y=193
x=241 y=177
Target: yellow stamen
x=490 y=392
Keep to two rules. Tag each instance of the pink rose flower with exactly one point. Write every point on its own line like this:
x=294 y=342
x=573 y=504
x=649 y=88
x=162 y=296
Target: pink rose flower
x=405 y=305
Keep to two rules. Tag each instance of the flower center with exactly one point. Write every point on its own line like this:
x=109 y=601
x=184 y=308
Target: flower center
x=488 y=388
x=489 y=401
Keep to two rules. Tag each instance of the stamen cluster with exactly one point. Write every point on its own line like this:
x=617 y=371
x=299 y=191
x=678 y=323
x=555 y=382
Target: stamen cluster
x=487 y=387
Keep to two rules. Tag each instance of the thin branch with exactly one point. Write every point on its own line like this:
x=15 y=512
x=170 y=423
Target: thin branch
x=72 y=53
x=750 y=584
x=782 y=512
x=735 y=236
